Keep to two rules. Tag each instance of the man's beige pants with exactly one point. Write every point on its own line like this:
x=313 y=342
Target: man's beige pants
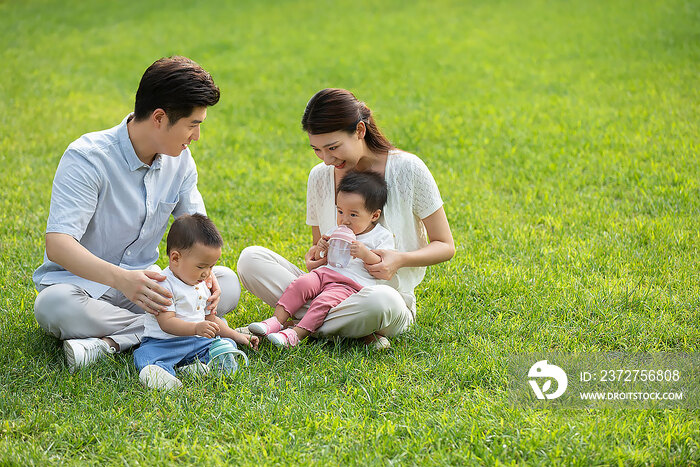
x=377 y=308
x=66 y=311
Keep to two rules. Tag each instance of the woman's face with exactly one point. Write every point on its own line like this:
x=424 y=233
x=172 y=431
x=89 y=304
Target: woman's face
x=340 y=148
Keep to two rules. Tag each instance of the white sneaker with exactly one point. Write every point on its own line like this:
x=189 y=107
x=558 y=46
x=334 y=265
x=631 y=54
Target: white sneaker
x=155 y=377
x=377 y=342
x=244 y=330
x=83 y=352
x=382 y=343
x=195 y=369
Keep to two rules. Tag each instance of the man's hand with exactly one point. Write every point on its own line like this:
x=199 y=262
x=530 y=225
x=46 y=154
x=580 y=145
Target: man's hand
x=141 y=287
x=213 y=285
x=206 y=329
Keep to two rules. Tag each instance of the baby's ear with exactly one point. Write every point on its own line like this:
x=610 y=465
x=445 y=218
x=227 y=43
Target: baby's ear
x=376 y=214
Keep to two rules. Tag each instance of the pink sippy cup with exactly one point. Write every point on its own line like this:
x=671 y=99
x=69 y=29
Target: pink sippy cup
x=339 y=247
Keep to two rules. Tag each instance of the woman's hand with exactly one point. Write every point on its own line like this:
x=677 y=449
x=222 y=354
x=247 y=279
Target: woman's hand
x=312 y=263
x=387 y=267
x=213 y=285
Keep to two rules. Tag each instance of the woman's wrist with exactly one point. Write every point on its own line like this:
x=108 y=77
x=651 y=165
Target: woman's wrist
x=402 y=259
x=433 y=253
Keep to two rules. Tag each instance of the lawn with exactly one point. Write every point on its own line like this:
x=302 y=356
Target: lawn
x=563 y=136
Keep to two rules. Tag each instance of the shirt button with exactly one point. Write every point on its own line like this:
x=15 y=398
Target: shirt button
x=198 y=308
x=200 y=297
x=128 y=253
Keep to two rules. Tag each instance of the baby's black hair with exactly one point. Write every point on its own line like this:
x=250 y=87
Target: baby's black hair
x=370 y=185
x=190 y=229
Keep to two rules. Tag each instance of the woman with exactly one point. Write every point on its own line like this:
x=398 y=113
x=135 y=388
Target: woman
x=343 y=134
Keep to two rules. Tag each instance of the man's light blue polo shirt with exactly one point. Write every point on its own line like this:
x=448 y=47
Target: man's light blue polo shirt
x=116 y=206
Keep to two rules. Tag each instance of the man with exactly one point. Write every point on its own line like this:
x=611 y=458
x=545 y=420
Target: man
x=113 y=194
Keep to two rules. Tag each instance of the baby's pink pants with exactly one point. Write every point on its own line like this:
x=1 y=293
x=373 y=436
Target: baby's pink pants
x=324 y=287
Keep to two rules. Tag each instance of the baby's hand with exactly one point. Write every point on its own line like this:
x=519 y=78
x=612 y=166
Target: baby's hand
x=253 y=342
x=358 y=249
x=323 y=243
x=206 y=329
x=321 y=248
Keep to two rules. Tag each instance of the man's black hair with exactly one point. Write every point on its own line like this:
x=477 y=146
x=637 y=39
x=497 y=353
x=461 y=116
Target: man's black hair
x=177 y=85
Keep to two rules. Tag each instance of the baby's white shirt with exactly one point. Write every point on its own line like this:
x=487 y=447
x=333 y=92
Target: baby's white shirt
x=189 y=304
x=378 y=238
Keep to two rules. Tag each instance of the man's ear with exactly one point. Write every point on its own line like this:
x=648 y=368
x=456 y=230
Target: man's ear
x=159 y=118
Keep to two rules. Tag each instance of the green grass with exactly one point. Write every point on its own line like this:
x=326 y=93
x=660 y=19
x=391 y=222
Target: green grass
x=563 y=136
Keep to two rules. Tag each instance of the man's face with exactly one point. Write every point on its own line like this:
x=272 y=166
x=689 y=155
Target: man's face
x=173 y=139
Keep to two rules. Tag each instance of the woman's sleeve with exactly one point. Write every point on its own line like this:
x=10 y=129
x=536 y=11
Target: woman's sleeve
x=426 y=195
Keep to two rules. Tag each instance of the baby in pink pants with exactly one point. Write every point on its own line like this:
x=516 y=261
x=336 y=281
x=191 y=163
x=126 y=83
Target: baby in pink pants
x=359 y=202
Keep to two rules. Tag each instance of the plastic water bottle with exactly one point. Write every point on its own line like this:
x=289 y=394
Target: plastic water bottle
x=339 y=247
x=222 y=356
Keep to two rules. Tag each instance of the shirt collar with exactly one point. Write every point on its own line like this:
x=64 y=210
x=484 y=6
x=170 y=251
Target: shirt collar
x=157 y=162
x=128 y=149
x=168 y=272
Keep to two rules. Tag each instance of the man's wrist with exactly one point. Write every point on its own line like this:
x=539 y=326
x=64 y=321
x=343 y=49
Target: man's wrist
x=117 y=277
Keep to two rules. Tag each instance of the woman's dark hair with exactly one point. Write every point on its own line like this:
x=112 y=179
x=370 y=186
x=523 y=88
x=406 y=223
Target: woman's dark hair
x=339 y=110
x=190 y=229
x=370 y=185
x=177 y=85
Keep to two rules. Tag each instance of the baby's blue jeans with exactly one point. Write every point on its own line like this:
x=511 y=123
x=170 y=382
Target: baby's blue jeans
x=171 y=353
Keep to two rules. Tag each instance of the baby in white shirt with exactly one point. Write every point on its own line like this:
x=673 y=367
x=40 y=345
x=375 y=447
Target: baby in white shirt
x=183 y=334
x=359 y=202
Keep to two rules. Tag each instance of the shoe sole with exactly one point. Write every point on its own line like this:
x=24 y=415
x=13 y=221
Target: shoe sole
x=281 y=343
x=195 y=369
x=158 y=378
x=258 y=329
x=69 y=351
x=382 y=343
